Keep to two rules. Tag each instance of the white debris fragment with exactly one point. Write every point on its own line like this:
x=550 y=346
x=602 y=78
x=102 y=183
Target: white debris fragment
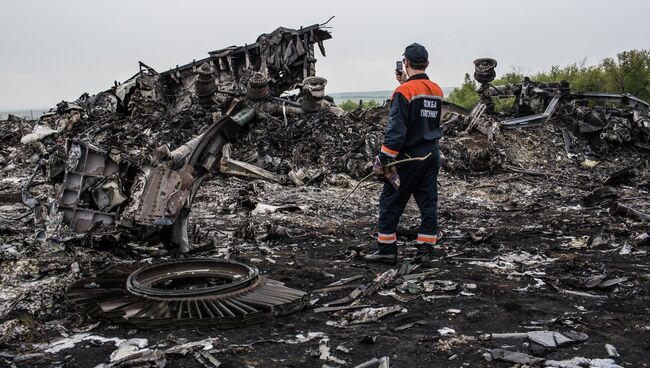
x=366 y=315
x=434 y=298
x=70 y=342
x=325 y=354
x=512 y=261
x=128 y=348
x=343 y=349
x=205 y=344
x=625 y=249
x=453 y=311
x=579 y=362
x=302 y=338
x=446 y=331
x=87 y=328
x=265 y=209
x=439 y=285
x=611 y=351
x=577 y=243
x=39 y=132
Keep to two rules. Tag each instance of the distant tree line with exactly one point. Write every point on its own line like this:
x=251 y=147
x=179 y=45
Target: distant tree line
x=350 y=105
x=629 y=73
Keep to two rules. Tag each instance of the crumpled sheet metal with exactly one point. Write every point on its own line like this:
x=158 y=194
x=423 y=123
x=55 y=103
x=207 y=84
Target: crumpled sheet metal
x=88 y=169
x=164 y=193
x=97 y=189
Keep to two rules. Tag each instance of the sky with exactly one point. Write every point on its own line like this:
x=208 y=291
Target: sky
x=56 y=50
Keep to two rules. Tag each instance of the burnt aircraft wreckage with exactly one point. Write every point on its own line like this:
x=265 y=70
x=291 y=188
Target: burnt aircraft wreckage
x=536 y=102
x=133 y=158
x=106 y=186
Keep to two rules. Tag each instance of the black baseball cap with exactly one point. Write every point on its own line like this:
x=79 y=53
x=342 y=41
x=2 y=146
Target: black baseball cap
x=416 y=53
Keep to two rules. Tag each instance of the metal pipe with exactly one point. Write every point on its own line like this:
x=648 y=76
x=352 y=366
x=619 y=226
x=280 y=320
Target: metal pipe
x=618 y=209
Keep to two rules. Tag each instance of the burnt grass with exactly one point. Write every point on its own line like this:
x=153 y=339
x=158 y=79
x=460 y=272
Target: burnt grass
x=483 y=215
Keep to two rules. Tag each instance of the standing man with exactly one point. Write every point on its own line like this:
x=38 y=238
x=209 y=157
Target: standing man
x=413 y=130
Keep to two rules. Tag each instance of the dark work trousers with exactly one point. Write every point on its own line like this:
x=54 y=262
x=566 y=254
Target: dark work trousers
x=417 y=178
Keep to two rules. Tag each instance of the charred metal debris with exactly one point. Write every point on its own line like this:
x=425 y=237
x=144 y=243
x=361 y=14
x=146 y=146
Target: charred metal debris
x=190 y=292
x=217 y=149
x=144 y=178
x=536 y=102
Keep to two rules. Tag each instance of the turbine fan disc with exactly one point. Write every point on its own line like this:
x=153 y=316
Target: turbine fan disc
x=190 y=292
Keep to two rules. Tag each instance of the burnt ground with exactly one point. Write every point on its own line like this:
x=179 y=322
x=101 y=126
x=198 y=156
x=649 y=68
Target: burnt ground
x=521 y=235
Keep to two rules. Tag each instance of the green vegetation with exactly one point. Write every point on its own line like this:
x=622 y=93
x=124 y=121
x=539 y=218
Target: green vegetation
x=465 y=95
x=628 y=73
x=350 y=105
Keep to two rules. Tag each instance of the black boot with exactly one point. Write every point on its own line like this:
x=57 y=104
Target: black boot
x=425 y=254
x=386 y=253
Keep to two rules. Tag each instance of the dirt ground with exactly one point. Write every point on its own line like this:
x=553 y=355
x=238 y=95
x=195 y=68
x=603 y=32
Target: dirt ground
x=519 y=243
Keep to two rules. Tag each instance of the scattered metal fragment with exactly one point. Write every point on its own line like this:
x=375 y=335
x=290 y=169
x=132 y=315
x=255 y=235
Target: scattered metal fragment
x=70 y=342
x=346 y=280
x=641 y=240
x=128 y=349
x=235 y=167
x=440 y=285
x=336 y=309
x=337 y=288
x=604 y=195
x=343 y=349
x=325 y=354
x=189 y=292
x=383 y=362
x=612 y=282
x=618 y=209
x=369 y=315
x=38 y=133
x=611 y=351
x=579 y=362
x=551 y=339
x=514 y=357
x=354 y=294
x=547 y=339
x=182 y=349
x=380 y=281
x=207 y=359
x=446 y=331
x=420 y=322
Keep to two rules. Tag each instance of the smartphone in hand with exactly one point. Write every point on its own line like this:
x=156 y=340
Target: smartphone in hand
x=399 y=66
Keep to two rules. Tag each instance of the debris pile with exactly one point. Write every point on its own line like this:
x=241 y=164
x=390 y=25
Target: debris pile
x=310 y=147
x=545 y=228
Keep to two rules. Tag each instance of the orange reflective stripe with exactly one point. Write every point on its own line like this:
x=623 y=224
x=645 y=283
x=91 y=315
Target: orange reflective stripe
x=380 y=237
x=427 y=238
x=418 y=87
x=389 y=152
x=386 y=238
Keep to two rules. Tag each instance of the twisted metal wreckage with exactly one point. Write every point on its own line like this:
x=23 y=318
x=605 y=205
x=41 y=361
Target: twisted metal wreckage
x=536 y=102
x=105 y=187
